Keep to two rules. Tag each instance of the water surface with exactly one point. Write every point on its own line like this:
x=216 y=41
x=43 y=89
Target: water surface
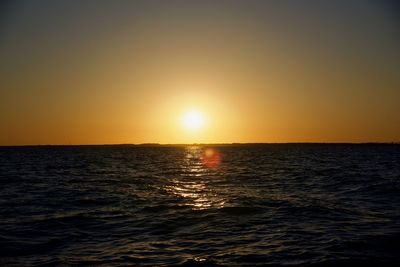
x=238 y=205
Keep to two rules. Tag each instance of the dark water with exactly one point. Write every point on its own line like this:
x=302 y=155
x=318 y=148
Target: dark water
x=248 y=205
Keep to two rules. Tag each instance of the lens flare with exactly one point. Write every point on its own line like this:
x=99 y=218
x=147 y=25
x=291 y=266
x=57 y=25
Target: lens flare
x=211 y=158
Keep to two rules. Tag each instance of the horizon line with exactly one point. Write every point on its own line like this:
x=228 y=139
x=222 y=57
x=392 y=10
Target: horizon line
x=208 y=144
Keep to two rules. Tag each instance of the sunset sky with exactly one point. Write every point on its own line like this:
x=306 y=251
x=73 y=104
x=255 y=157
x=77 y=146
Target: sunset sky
x=104 y=72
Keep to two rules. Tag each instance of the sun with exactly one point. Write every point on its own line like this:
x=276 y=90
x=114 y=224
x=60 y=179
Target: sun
x=193 y=120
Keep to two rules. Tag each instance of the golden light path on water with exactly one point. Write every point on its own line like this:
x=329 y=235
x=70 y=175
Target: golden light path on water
x=194 y=183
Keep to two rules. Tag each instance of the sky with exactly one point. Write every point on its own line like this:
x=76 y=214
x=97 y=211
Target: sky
x=113 y=72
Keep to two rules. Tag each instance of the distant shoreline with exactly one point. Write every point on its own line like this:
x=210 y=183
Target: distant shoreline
x=202 y=144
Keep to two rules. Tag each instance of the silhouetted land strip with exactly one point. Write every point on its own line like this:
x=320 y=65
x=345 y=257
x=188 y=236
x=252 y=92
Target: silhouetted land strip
x=208 y=144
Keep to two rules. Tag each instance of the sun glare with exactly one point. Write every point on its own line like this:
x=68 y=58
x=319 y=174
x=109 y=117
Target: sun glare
x=193 y=120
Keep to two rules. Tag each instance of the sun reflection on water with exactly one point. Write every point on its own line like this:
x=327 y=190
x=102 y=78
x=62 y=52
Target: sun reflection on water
x=195 y=182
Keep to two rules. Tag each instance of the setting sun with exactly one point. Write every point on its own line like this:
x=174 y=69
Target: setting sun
x=193 y=120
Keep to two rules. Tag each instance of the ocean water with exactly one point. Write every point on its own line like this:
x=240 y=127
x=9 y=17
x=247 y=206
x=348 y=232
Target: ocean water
x=237 y=205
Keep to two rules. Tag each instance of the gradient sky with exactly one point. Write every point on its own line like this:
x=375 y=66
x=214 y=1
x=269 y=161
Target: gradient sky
x=96 y=72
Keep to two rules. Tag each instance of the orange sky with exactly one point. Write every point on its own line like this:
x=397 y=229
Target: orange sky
x=126 y=72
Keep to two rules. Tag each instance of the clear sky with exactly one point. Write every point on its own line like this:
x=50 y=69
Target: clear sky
x=96 y=72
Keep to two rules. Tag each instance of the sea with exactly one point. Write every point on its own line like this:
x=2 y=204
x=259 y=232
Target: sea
x=200 y=205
